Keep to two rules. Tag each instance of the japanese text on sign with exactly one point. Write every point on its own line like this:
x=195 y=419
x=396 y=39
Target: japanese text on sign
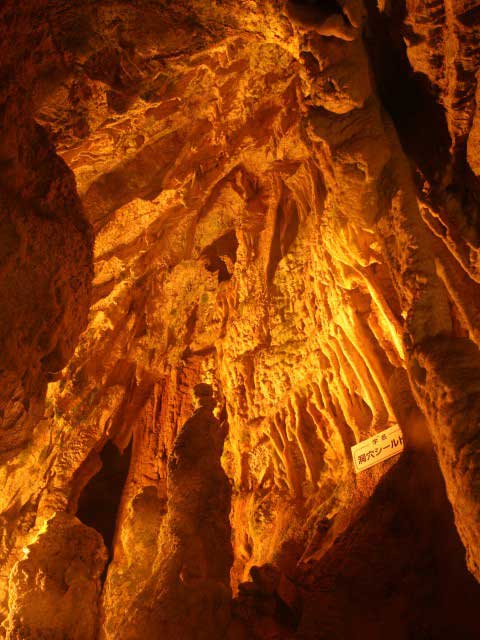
x=379 y=447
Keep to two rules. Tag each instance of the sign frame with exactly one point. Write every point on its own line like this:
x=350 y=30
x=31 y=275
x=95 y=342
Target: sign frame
x=378 y=448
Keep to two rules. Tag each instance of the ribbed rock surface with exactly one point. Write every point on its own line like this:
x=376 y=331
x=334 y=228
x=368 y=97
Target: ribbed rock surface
x=284 y=201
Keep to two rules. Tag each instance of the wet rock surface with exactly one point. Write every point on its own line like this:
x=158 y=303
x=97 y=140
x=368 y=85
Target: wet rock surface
x=273 y=205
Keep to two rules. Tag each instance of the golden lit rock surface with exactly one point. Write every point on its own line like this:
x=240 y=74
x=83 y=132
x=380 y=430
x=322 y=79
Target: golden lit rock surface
x=283 y=197
x=60 y=572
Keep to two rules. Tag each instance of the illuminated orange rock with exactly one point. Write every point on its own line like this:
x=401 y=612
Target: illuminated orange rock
x=60 y=572
x=181 y=585
x=284 y=202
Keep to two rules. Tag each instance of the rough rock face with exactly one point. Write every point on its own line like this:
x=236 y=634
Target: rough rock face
x=181 y=587
x=61 y=569
x=283 y=197
x=45 y=269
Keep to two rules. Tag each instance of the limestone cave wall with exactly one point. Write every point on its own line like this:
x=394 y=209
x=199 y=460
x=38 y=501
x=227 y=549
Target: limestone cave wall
x=238 y=238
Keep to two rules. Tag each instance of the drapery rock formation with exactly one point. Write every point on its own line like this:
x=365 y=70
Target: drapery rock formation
x=276 y=204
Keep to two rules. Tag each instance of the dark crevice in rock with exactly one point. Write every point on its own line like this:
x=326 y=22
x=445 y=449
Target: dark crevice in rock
x=408 y=97
x=327 y=6
x=270 y=602
x=421 y=122
x=99 y=501
x=191 y=323
x=315 y=10
x=285 y=232
x=463 y=195
x=216 y=264
x=217 y=253
x=470 y=17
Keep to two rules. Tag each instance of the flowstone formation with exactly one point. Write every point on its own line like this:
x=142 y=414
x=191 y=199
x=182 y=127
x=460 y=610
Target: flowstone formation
x=273 y=205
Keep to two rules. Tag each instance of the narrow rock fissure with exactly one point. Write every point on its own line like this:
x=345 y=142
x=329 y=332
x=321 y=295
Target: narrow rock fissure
x=316 y=8
x=216 y=255
x=407 y=96
x=330 y=6
x=420 y=119
x=285 y=232
x=99 y=501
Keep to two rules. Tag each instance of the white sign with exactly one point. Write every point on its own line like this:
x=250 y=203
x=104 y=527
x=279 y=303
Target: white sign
x=379 y=447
